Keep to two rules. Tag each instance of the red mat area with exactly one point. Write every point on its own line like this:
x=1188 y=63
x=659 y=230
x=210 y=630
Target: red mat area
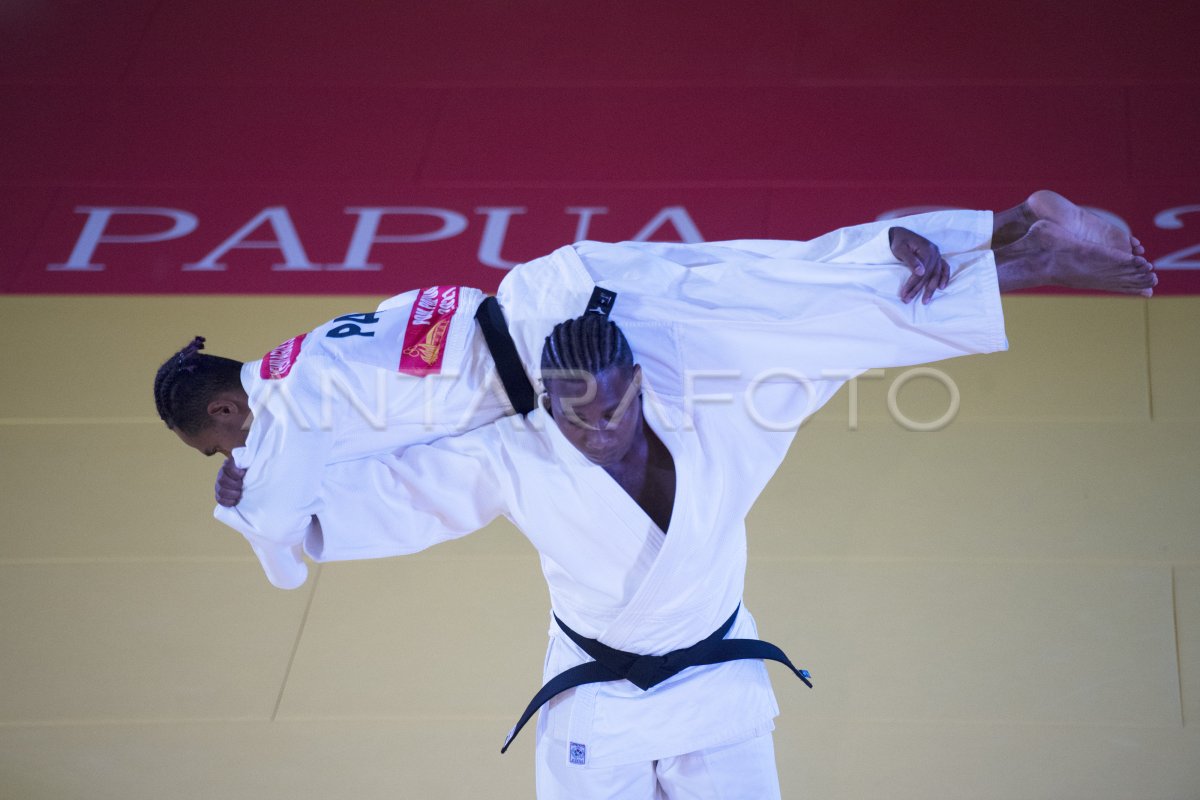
x=145 y=138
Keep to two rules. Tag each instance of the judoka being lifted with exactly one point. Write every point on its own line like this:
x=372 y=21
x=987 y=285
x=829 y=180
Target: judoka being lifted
x=419 y=367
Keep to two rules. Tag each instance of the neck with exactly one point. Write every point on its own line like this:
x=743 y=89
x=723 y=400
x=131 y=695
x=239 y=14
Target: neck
x=637 y=459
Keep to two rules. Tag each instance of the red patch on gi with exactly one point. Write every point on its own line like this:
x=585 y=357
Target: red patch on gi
x=278 y=363
x=425 y=336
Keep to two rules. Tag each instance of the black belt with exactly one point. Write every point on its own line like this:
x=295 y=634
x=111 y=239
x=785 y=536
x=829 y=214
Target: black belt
x=645 y=671
x=508 y=364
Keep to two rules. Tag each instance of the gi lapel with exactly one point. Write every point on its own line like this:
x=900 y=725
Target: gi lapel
x=594 y=480
x=683 y=446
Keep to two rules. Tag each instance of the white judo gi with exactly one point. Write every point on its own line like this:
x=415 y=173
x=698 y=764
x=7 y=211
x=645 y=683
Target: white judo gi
x=702 y=319
x=338 y=393
x=613 y=575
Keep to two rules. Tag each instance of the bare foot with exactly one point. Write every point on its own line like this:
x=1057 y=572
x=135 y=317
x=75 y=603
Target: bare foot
x=1050 y=255
x=1052 y=206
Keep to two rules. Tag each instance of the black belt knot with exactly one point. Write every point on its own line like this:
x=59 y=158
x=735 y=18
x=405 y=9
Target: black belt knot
x=649 y=671
x=644 y=672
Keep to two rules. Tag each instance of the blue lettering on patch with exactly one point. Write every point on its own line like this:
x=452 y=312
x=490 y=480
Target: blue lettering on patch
x=578 y=753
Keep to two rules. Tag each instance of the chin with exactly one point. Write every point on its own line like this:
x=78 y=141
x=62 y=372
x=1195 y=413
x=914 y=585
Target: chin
x=606 y=459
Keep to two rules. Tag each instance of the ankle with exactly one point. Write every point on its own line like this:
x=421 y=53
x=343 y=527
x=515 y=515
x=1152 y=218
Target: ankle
x=1011 y=224
x=1021 y=265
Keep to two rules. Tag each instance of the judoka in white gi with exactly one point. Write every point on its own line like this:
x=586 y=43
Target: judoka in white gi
x=643 y=542
x=636 y=503
x=417 y=368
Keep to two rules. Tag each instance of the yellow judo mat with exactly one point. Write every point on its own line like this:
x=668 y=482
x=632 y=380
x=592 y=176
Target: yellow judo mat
x=1007 y=603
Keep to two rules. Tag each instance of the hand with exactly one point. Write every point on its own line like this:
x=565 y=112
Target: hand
x=229 y=484
x=930 y=271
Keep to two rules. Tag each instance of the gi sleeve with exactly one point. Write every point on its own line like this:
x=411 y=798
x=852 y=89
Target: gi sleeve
x=403 y=503
x=285 y=457
x=282 y=558
x=380 y=507
x=952 y=230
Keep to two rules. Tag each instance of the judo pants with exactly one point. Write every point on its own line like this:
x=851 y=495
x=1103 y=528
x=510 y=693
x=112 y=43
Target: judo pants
x=742 y=771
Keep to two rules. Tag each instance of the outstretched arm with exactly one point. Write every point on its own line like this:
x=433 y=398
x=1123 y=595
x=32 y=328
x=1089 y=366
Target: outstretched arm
x=404 y=503
x=955 y=230
x=373 y=507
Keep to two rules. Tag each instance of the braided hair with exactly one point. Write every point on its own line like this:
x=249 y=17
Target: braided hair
x=588 y=344
x=187 y=381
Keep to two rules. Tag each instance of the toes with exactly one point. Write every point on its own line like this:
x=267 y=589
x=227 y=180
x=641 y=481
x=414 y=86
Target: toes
x=1146 y=280
x=1141 y=265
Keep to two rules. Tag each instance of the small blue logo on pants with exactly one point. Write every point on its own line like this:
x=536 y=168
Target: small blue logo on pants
x=578 y=753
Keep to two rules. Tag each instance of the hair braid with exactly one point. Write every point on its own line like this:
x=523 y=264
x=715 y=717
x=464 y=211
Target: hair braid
x=187 y=381
x=591 y=343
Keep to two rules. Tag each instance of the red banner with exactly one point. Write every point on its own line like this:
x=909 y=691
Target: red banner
x=145 y=241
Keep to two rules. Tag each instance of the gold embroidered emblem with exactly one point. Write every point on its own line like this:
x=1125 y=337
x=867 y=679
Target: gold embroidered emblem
x=429 y=349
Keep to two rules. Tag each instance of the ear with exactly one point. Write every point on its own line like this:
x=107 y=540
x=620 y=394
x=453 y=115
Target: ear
x=222 y=407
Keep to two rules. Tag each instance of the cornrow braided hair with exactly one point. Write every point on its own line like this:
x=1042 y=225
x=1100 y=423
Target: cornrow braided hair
x=187 y=381
x=591 y=343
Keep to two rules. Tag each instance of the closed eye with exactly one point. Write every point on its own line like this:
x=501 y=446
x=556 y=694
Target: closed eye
x=578 y=422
